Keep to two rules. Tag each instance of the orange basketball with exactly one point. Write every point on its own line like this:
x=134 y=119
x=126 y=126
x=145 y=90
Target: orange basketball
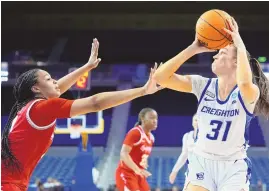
x=209 y=29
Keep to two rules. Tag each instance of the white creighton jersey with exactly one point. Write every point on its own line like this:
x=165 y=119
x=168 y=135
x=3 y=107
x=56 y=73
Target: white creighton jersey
x=223 y=124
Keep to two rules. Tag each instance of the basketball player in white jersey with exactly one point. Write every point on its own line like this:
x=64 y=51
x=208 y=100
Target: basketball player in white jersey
x=226 y=105
x=188 y=141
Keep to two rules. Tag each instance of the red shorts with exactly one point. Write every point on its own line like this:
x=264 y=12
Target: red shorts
x=9 y=187
x=127 y=180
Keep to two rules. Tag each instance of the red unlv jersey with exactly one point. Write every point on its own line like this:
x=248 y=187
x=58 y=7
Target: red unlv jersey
x=29 y=142
x=141 y=144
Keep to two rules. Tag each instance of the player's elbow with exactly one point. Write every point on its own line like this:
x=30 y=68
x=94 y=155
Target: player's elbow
x=123 y=155
x=95 y=104
x=244 y=84
x=85 y=105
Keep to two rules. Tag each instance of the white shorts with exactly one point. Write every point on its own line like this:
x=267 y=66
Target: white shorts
x=215 y=175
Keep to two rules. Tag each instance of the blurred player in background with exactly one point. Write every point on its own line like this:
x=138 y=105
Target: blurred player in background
x=29 y=131
x=188 y=141
x=226 y=105
x=131 y=173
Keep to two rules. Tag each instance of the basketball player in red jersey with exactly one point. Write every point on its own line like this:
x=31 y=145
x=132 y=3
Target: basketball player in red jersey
x=131 y=173
x=29 y=131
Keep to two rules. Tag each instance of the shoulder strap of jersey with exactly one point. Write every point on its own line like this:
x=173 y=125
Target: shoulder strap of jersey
x=203 y=93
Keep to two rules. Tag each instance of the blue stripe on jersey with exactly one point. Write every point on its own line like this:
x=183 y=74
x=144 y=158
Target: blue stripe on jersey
x=243 y=104
x=203 y=93
x=246 y=135
x=217 y=92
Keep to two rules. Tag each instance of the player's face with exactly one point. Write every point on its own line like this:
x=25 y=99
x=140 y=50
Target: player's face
x=224 y=61
x=151 y=120
x=46 y=86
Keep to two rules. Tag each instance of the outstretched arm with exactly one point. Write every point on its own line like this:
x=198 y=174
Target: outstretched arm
x=70 y=79
x=107 y=100
x=56 y=108
x=166 y=76
x=104 y=101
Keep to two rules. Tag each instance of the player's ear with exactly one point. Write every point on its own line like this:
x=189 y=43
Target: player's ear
x=35 y=89
x=141 y=121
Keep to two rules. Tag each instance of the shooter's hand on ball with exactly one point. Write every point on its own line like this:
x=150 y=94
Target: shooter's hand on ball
x=237 y=40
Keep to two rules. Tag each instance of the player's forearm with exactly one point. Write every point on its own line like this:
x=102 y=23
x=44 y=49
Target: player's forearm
x=111 y=99
x=180 y=162
x=243 y=70
x=68 y=80
x=165 y=71
x=126 y=158
x=104 y=101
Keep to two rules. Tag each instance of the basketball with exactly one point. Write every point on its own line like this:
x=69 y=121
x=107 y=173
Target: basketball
x=209 y=29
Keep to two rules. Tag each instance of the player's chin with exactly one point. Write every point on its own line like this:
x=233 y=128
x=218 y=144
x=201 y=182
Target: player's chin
x=213 y=68
x=154 y=127
x=58 y=94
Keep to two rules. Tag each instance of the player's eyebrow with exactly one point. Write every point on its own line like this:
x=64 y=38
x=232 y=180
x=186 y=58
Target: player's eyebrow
x=46 y=75
x=225 y=49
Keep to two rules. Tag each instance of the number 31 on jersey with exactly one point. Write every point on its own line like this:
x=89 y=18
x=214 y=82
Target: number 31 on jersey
x=218 y=125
